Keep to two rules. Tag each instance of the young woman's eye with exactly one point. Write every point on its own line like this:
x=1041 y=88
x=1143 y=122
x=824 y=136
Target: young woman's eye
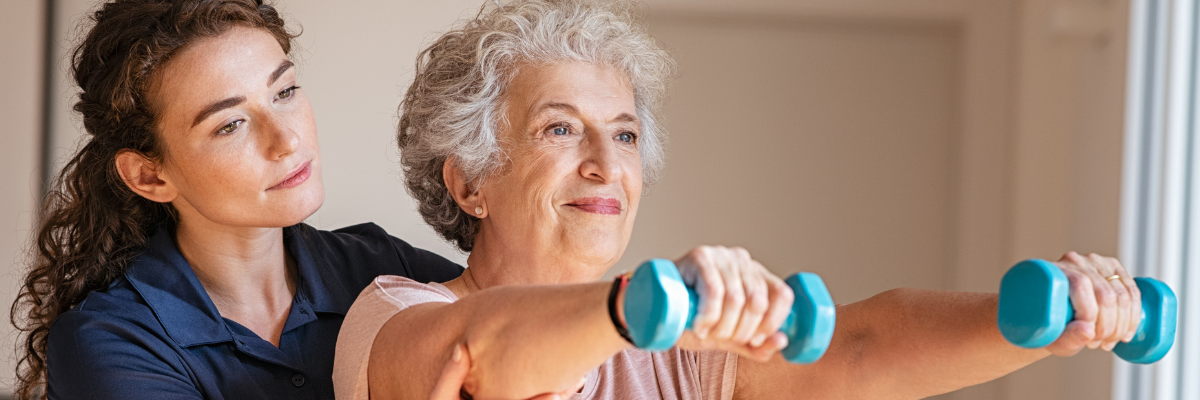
x=232 y=127
x=627 y=137
x=287 y=93
x=560 y=130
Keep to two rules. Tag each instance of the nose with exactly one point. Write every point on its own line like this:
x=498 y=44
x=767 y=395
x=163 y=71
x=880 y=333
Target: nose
x=600 y=161
x=280 y=139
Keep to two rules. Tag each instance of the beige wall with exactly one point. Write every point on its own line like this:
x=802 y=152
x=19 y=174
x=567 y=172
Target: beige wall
x=20 y=104
x=926 y=143
x=822 y=145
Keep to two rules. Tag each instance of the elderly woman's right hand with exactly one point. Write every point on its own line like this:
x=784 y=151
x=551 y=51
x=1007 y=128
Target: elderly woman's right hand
x=742 y=304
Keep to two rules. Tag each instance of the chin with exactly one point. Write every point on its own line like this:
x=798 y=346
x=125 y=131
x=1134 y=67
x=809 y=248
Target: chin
x=295 y=210
x=597 y=253
x=309 y=207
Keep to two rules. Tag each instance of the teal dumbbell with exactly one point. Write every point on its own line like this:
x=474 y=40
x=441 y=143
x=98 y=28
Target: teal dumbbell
x=659 y=307
x=1035 y=307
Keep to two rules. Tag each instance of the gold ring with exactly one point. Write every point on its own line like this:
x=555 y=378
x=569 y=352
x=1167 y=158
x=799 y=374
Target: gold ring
x=1113 y=278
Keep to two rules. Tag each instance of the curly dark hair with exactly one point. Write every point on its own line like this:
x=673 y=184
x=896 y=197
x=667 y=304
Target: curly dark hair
x=91 y=223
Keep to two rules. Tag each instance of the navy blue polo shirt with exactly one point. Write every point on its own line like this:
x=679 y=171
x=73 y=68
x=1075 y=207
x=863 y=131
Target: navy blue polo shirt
x=155 y=334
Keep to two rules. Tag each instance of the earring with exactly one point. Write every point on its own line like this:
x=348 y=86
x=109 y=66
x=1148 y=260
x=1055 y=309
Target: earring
x=478 y=210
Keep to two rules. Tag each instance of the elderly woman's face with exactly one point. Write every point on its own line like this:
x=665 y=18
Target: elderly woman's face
x=573 y=178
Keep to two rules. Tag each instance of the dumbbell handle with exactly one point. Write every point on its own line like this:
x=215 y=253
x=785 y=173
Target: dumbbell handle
x=1035 y=308
x=659 y=307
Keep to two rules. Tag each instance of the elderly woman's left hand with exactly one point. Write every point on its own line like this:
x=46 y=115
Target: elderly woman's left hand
x=742 y=304
x=1107 y=303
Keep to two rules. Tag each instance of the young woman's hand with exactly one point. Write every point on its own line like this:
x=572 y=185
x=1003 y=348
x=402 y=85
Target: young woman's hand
x=449 y=385
x=1107 y=302
x=742 y=304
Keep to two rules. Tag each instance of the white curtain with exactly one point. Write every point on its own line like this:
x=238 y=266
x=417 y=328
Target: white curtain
x=1160 y=232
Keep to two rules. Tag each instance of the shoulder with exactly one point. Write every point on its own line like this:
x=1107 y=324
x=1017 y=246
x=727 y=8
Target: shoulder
x=405 y=292
x=385 y=297
x=118 y=305
x=371 y=252
x=110 y=319
x=107 y=342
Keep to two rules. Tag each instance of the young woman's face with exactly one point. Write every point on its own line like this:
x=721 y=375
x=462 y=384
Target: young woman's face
x=239 y=136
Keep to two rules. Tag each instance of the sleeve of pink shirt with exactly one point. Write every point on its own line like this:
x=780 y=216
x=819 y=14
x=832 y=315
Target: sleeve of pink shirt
x=383 y=298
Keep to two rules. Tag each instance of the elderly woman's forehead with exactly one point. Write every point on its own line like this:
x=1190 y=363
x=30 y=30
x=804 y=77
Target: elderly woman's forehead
x=557 y=86
x=530 y=73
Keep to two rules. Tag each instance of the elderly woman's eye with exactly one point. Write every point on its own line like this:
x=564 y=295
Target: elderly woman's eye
x=227 y=129
x=627 y=137
x=560 y=130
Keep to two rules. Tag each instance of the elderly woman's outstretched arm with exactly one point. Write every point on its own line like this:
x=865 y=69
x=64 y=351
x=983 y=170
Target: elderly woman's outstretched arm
x=527 y=340
x=911 y=343
x=522 y=340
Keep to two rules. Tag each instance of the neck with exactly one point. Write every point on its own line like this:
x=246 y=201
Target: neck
x=493 y=264
x=245 y=272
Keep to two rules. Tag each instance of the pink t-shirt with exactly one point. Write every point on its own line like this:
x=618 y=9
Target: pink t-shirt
x=631 y=374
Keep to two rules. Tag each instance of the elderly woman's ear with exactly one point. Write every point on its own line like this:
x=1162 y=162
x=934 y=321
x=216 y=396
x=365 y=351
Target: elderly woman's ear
x=469 y=199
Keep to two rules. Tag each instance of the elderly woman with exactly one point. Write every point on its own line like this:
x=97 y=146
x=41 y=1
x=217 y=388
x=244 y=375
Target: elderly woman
x=528 y=136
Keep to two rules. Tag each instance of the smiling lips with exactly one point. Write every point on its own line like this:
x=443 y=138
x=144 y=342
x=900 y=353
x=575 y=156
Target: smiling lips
x=296 y=178
x=598 y=205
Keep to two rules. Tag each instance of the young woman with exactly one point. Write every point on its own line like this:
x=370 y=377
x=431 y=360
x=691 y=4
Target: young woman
x=172 y=261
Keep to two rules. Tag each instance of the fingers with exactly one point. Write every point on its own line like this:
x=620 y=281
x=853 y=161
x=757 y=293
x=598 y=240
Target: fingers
x=1130 y=300
x=757 y=297
x=698 y=270
x=732 y=303
x=1074 y=338
x=781 y=298
x=550 y=396
x=1083 y=299
x=1105 y=298
x=453 y=374
x=1103 y=294
x=1135 y=303
x=566 y=394
x=742 y=305
x=1109 y=267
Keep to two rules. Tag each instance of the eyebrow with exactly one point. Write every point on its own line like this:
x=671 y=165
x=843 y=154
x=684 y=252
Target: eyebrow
x=283 y=67
x=555 y=106
x=623 y=117
x=233 y=101
x=218 y=106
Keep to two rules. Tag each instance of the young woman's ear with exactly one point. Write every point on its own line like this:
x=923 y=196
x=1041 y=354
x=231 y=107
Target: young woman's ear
x=143 y=176
x=468 y=199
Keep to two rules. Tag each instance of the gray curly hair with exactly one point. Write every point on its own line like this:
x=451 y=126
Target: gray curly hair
x=455 y=104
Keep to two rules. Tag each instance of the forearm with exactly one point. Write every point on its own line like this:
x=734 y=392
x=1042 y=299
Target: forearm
x=523 y=341
x=931 y=342
x=900 y=344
